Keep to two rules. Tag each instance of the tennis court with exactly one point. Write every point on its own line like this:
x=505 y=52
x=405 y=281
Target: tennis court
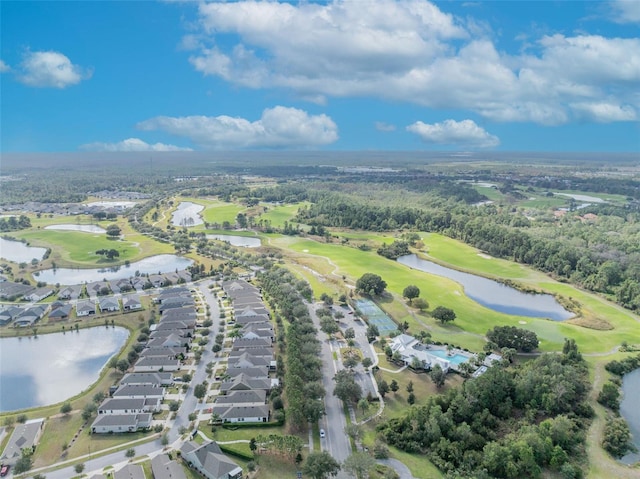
x=376 y=316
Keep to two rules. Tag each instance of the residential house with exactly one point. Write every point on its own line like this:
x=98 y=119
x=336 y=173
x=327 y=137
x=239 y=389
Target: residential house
x=94 y=288
x=242 y=412
x=109 y=304
x=155 y=364
x=120 y=285
x=148 y=379
x=39 y=294
x=24 y=436
x=85 y=308
x=130 y=471
x=251 y=397
x=61 y=313
x=178 y=314
x=170 y=353
x=242 y=343
x=131 y=302
x=133 y=391
x=176 y=302
x=247 y=360
x=171 y=341
x=175 y=324
x=113 y=423
x=70 y=292
x=163 y=467
x=251 y=372
x=209 y=460
x=9 y=313
x=242 y=382
x=30 y=315
x=129 y=406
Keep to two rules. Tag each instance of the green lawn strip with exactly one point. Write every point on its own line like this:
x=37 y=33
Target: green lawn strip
x=50 y=446
x=491 y=193
x=472 y=317
x=216 y=211
x=78 y=247
x=460 y=256
x=274 y=467
x=317 y=284
x=419 y=465
x=277 y=215
x=223 y=434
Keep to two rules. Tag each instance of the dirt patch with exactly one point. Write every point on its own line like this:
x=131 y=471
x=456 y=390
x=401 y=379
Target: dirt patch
x=485 y=256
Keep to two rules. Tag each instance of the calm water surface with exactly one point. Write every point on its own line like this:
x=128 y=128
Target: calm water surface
x=187 y=214
x=53 y=367
x=19 y=252
x=162 y=263
x=494 y=295
x=84 y=228
x=233 y=240
x=630 y=410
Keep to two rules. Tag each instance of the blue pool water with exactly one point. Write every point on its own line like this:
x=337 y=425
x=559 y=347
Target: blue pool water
x=455 y=359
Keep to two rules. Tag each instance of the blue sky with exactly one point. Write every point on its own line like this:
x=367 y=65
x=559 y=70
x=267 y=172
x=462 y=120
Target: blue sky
x=340 y=75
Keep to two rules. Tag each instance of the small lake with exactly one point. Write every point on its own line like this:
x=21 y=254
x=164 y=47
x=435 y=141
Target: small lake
x=591 y=199
x=631 y=412
x=19 y=252
x=162 y=263
x=234 y=240
x=187 y=214
x=84 y=228
x=494 y=295
x=53 y=367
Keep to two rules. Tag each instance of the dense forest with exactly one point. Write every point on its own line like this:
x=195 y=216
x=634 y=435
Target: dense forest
x=508 y=423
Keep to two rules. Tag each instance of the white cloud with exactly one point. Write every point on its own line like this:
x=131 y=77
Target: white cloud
x=50 y=69
x=279 y=127
x=463 y=133
x=604 y=112
x=626 y=11
x=131 y=144
x=4 y=67
x=382 y=126
x=411 y=51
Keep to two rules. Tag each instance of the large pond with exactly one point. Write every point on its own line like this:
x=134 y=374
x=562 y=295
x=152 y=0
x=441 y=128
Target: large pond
x=494 y=295
x=84 y=228
x=234 y=240
x=163 y=263
x=53 y=367
x=630 y=410
x=19 y=252
x=187 y=214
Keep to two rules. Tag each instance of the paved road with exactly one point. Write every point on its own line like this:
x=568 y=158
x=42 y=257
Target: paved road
x=336 y=441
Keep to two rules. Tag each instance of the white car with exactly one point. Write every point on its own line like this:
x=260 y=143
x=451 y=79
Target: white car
x=322 y=434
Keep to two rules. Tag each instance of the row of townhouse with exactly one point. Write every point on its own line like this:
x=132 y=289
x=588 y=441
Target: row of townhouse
x=141 y=392
x=251 y=362
x=108 y=304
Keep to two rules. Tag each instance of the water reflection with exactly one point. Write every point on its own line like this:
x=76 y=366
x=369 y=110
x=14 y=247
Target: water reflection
x=19 y=252
x=163 y=263
x=630 y=410
x=53 y=367
x=234 y=240
x=494 y=295
x=84 y=228
x=187 y=214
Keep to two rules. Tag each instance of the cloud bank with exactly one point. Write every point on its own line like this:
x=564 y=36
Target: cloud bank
x=411 y=51
x=278 y=127
x=131 y=144
x=463 y=133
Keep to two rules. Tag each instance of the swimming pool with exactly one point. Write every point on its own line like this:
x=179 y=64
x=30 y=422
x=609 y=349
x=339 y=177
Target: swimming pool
x=455 y=359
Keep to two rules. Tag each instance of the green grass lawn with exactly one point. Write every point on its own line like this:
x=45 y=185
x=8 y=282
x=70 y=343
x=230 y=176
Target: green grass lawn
x=216 y=211
x=79 y=247
x=277 y=215
x=473 y=320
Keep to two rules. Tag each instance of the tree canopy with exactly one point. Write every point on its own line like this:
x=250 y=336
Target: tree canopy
x=444 y=315
x=513 y=337
x=370 y=284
